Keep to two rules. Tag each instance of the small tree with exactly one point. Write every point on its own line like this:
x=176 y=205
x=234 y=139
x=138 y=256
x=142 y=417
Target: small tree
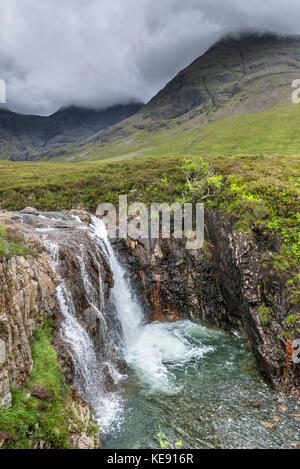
x=202 y=183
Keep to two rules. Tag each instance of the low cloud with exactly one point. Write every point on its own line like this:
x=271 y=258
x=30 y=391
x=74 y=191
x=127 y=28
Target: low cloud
x=98 y=53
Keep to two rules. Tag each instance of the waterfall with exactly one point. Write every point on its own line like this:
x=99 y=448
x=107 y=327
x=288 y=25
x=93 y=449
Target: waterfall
x=184 y=380
x=89 y=376
x=151 y=350
x=129 y=312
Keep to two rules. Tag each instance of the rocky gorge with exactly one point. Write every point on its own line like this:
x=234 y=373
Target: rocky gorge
x=227 y=285
x=71 y=277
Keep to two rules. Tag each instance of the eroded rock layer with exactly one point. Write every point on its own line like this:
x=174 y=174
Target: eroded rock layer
x=225 y=284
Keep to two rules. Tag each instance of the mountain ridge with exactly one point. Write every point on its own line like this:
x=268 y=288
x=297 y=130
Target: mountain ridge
x=236 y=78
x=28 y=137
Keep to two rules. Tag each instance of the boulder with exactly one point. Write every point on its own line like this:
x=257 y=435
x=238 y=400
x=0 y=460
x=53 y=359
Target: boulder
x=30 y=211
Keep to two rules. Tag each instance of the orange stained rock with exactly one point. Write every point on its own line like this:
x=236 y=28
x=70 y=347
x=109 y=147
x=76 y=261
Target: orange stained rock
x=289 y=351
x=173 y=314
x=157 y=315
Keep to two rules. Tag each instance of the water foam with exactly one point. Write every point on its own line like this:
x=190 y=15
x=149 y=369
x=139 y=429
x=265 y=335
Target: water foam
x=150 y=349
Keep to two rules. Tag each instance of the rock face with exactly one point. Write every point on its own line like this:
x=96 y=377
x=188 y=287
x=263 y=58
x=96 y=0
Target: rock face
x=225 y=284
x=237 y=75
x=27 y=292
x=27 y=295
x=83 y=266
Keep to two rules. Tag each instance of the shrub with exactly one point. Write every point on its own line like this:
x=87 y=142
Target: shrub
x=264 y=314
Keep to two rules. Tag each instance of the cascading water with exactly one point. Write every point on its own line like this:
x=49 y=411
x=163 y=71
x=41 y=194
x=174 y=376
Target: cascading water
x=147 y=347
x=89 y=377
x=192 y=383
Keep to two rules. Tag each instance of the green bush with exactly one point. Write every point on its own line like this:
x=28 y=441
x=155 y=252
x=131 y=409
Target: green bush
x=202 y=182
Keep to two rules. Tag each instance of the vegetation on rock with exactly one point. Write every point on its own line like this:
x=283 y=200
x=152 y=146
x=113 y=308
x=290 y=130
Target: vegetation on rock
x=11 y=243
x=42 y=411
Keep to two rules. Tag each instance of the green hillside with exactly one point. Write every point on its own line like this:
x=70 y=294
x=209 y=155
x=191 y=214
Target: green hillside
x=275 y=131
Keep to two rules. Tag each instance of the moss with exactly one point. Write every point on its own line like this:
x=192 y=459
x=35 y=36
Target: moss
x=11 y=243
x=30 y=419
x=264 y=314
x=92 y=430
x=287 y=334
x=292 y=319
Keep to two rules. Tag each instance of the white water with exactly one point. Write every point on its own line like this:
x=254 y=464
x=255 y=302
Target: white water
x=164 y=356
x=107 y=407
x=150 y=349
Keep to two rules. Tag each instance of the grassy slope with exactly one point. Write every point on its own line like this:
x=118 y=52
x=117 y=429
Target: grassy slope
x=275 y=131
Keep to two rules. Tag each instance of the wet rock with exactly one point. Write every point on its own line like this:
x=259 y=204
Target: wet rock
x=256 y=405
x=296 y=415
x=268 y=425
x=108 y=379
x=282 y=408
x=30 y=211
x=276 y=418
x=84 y=216
x=295 y=444
x=91 y=321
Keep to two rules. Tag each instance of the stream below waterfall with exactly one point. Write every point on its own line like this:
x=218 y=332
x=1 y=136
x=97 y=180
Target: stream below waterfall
x=207 y=395
x=194 y=384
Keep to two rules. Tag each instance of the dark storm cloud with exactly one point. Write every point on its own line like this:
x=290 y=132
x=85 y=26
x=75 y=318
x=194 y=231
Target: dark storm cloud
x=101 y=52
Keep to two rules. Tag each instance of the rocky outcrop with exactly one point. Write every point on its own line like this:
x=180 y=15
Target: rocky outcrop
x=84 y=268
x=224 y=284
x=28 y=295
x=81 y=436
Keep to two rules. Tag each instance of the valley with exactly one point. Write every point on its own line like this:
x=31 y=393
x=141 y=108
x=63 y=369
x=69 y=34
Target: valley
x=132 y=344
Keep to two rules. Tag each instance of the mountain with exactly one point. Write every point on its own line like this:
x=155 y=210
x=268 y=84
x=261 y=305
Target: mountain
x=27 y=137
x=236 y=98
x=233 y=69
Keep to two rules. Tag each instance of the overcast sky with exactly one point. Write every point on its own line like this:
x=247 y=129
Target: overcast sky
x=103 y=52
